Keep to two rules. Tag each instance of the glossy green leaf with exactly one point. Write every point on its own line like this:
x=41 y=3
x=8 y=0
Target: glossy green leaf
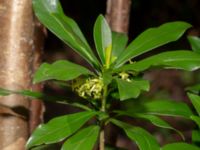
x=153 y=38
x=179 y=146
x=50 y=13
x=59 y=70
x=85 y=139
x=168 y=108
x=5 y=92
x=155 y=120
x=131 y=89
x=194 y=88
x=31 y=94
x=181 y=59
x=195 y=99
x=196 y=136
x=163 y=108
x=195 y=43
x=119 y=41
x=143 y=139
x=41 y=96
x=59 y=128
x=196 y=119
x=102 y=37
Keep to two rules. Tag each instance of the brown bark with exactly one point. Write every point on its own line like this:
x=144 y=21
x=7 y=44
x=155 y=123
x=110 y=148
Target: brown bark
x=117 y=15
x=36 y=106
x=16 y=36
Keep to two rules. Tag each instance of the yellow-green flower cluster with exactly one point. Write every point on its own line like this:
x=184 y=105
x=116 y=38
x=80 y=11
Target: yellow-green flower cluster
x=90 y=88
x=124 y=76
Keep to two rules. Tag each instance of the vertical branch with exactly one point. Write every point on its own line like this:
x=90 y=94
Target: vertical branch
x=16 y=36
x=117 y=15
x=103 y=109
x=36 y=106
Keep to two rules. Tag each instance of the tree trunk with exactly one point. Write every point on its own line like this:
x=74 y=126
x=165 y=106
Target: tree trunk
x=117 y=15
x=16 y=57
x=36 y=106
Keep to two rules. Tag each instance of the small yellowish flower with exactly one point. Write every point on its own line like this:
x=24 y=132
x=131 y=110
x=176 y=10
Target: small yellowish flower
x=124 y=76
x=90 y=88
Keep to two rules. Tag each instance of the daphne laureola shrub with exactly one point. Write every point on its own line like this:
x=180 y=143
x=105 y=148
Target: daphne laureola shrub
x=116 y=76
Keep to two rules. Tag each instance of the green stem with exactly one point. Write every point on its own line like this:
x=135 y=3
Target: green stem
x=103 y=109
x=103 y=105
x=102 y=140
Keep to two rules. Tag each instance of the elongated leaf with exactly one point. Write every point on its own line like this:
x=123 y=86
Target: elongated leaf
x=196 y=136
x=163 y=108
x=195 y=99
x=102 y=37
x=181 y=59
x=131 y=89
x=143 y=139
x=194 y=88
x=196 y=119
x=31 y=94
x=59 y=128
x=168 y=108
x=41 y=96
x=180 y=146
x=50 y=13
x=153 y=38
x=5 y=92
x=85 y=139
x=155 y=120
x=119 y=41
x=60 y=70
x=195 y=43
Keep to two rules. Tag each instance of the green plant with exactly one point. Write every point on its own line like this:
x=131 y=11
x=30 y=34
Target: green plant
x=195 y=99
x=112 y=80
x=195 y=45
x=193 y=94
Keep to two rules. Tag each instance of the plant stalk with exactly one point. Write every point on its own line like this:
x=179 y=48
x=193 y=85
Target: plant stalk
x=103 y=109
x=102 y=140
